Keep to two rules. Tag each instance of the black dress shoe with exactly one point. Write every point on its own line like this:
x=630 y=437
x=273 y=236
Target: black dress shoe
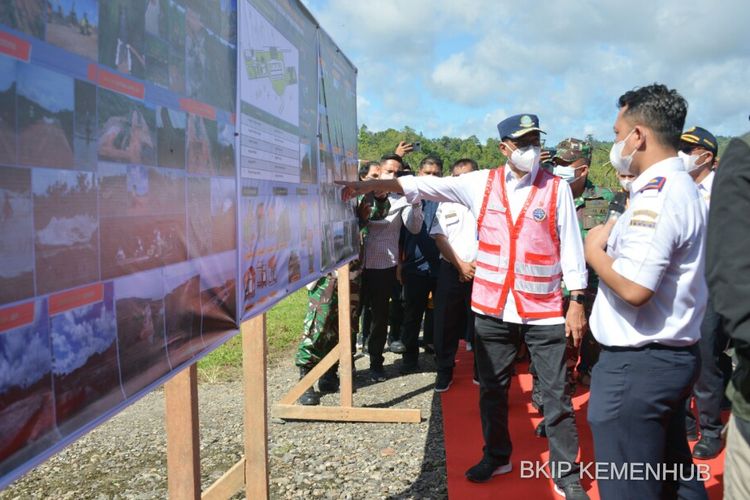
x=485 y=469
x=397 y=346
x=707 y=448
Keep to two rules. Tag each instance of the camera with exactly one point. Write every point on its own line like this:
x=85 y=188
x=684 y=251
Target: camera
x=417 y=146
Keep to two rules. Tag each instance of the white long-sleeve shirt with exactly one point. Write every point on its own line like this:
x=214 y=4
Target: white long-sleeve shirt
x=381 y=244
x=468 y=189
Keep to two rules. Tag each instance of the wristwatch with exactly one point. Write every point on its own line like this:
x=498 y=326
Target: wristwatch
x=578 y=297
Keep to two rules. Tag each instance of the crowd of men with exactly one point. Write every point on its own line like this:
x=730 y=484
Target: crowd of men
x=638 y=293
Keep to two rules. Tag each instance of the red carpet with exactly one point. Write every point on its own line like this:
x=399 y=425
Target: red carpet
x=463 y=440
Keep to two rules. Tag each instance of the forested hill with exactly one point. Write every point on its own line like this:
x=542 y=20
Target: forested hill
x=372 y=145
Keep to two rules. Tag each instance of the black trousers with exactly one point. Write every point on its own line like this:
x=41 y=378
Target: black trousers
x=376 y=291
x=452 y=315
x=637 y=416
x=710 y=386
x=495 y=351
x=417 y=289
x=395 y=312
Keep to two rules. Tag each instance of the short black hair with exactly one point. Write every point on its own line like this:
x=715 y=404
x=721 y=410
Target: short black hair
x=394 y=157
x=464 y=161
x=431 y=160
x=365 y=168
x=661 y=109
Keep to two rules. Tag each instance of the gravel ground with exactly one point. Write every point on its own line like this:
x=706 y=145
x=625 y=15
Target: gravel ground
x=126 y=457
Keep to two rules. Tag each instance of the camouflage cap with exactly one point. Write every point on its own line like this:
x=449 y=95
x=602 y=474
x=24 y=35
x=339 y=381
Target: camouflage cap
x=572 y=149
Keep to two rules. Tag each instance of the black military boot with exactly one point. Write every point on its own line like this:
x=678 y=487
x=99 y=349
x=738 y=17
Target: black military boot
x=329 y=382
x=309 y=397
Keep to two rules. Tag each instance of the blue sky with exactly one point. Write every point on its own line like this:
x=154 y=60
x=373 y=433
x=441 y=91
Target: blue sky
x=458 y=67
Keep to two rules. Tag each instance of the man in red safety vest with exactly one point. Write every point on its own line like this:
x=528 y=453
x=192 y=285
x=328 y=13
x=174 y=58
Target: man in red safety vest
x=529 y=242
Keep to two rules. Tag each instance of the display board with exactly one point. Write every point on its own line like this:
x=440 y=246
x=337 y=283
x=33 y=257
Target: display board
x=153 y=156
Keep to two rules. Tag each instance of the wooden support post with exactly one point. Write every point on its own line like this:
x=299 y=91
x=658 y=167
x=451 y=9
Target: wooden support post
x=183 y=447
x=346 y=412
x=254 y=354
x=345 y=338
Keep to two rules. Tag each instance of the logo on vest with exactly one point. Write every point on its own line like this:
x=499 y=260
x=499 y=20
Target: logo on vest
x=539 y=214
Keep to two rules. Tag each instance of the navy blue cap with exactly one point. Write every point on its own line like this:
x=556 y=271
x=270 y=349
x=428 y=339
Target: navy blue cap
x=518 y=125
x=699 y=136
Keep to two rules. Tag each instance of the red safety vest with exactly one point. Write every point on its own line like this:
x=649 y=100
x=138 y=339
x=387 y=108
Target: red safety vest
x=523 y=257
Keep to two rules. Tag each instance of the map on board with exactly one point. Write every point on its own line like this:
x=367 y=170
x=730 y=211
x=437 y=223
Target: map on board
x=269 y=71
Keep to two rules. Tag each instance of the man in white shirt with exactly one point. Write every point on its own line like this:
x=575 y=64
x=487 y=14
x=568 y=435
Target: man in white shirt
x=528 y=241
x=651 y=299
x=698 y=148
x=455 y=233
x=381 y=254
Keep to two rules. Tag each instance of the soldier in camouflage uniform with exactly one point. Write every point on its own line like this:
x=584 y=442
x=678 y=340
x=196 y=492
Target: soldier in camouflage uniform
x=321 y=323
x=572 y=162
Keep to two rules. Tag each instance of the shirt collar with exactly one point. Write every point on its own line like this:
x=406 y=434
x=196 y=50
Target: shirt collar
x=707 y=181
x=515 y=182
x=664 y=167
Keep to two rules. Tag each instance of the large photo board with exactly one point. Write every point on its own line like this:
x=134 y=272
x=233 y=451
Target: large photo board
x=160 y=183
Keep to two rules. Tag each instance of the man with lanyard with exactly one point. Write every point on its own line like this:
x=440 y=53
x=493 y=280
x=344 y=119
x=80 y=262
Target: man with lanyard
x=419 y=271
x=571 y=162
x=698 y=148
x=528 y=240
x=649 y=306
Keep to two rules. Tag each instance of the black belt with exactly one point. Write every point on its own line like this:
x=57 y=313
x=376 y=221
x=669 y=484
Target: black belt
x=650 y=346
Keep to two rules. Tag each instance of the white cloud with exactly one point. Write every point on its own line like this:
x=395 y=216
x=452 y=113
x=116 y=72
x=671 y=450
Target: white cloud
x=24 y=357
x=79 y=334
x=566 y=60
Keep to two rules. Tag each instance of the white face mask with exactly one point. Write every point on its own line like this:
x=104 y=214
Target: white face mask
x=525 y=159
x=691 y=161
x=566 y=173
x=620 y=163
x=626 y=184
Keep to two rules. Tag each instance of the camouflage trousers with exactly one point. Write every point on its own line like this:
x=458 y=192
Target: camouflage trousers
x=321 y=324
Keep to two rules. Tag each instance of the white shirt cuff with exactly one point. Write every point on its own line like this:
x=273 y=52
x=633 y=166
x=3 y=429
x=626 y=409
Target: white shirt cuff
x=627 y=270
x=576 y=280
x=411 y=191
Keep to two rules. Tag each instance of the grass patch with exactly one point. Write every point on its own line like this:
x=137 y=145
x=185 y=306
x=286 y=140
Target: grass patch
x=283 y=329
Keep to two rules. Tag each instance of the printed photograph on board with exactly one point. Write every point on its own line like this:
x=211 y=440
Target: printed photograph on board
x=157 y=61
x=170 y=137
x=223 y=214
x=202 y=144
x=16 y=235
x=27 y=417
x=84 y=355
x=218 y=296
x=24 y=15
x=182 y=309
x=127 y=129
x=225 y=149
x=139 y=190
x=199 y=217
x=8 y=87
x=66 y=244
x=45 y=117
x=139 y=302
x=85 y=144
x=122 y=36
x=73 y=25
x=133 y=244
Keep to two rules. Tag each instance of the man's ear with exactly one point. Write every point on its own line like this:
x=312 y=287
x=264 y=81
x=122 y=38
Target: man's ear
x=641 y=136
